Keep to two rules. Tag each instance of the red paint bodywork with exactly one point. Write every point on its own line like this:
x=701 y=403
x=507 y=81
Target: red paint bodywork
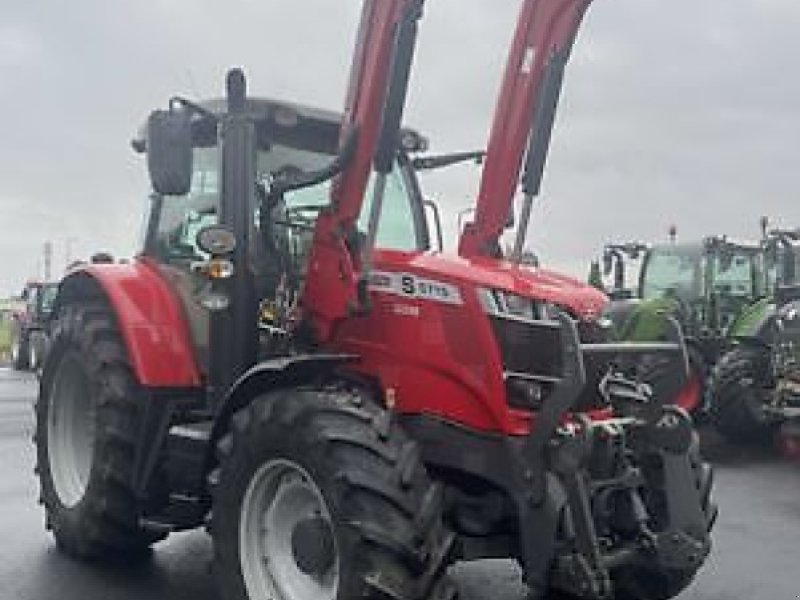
x=433 y=357
x=331 y=289
x=429 y=357
x=691 y=396
x=443 y=359
x=543 y=27
x=151 y=321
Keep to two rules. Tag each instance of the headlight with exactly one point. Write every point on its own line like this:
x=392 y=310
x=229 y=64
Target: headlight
x=503 y=303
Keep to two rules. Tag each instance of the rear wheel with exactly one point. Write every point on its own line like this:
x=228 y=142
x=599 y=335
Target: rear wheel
x=86 y=422
x=320 y=496
x=739 y=394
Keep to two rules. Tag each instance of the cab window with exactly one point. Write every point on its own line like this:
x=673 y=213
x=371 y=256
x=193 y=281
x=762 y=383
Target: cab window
x=181 y=217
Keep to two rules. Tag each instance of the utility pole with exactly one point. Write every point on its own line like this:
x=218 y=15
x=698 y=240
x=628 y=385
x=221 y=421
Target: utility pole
x=48 y=260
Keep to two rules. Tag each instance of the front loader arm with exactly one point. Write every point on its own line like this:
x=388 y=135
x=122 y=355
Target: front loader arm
x=523 y=115
x=338 y=266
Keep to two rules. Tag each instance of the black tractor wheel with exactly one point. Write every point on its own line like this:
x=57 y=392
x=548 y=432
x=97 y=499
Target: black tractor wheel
x=320 y=496
x=19 y=353
x=86 y=423
x=36 y=350
x=738 y=396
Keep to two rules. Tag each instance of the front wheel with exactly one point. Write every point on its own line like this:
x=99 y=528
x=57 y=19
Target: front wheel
x=320 y=496
x=19 y=353
x=36 y=350
x=739 y=395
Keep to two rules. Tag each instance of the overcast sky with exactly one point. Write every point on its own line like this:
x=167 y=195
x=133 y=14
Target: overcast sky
x=684 y=112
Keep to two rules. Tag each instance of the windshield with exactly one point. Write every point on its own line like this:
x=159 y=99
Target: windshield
x=179 y=219
x=733 y=274
x=396 y=229
x=49 y=293
x=674 y=270
x=777 y=271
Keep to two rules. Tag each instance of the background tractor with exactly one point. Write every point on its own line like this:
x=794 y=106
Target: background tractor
x=347 y=411
x=756 y=384
x=710 y=288
x=29 y=336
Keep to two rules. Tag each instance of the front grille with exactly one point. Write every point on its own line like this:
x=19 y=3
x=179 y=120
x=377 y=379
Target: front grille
x=529 y=347
x=531 y=352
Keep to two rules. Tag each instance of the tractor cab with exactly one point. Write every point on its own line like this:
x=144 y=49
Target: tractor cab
x=782 y=264
x=711 y=282
x=286 y=151
x=617 y=260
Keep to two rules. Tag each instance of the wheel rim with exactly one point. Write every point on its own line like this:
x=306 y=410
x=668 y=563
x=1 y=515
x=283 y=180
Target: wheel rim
x=280 y=499
x=70 y=432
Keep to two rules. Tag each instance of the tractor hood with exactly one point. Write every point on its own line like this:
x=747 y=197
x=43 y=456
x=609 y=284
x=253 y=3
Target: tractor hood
x=581 y=299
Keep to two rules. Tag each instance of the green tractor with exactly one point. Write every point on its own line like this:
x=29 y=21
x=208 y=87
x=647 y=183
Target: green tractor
x=756 y=383
x=710 y=288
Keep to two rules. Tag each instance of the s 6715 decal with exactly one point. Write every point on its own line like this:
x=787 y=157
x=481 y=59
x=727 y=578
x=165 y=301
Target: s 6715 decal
x=411 y=286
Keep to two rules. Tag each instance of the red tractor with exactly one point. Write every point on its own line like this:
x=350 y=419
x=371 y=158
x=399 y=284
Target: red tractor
x=347 y=411
x=29 y=338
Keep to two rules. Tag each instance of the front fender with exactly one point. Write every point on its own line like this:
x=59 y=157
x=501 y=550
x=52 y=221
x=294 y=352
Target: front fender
x=641 y=320
x=149 y=316
x=756 y=322
x=269 y=375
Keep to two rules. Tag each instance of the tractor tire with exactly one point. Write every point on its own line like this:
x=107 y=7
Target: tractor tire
x=86 y=424
x=737 y=404
x=19 y=354
x=36 y=350
x=319 y=495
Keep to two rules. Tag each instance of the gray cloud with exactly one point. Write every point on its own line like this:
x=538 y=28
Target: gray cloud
x=682 y=112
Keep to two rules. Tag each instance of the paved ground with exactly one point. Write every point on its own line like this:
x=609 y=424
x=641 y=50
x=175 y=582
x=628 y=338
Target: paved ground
x=755 y=555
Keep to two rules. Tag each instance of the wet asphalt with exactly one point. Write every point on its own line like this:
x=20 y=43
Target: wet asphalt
x=756 y=553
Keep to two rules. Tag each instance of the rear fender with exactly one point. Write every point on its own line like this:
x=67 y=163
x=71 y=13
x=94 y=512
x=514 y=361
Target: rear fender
x=149 y=315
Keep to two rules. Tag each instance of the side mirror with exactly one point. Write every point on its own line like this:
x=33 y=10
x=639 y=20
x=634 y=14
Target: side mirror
x=169 y=152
